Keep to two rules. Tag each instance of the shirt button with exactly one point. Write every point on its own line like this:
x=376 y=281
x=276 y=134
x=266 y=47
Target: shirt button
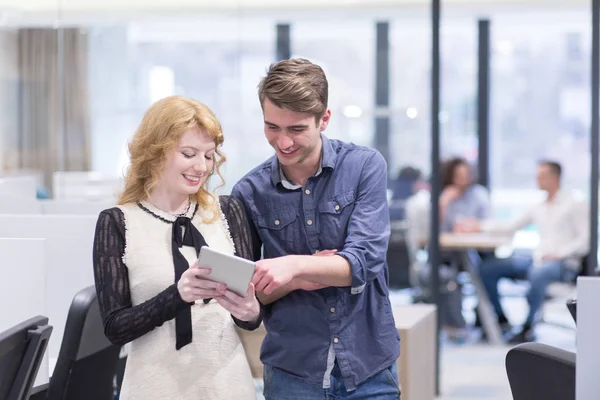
x=309 y=222
x=335 y=340
x=332 y=310
x=276 y=222
x=307 y=191
x=337 y=207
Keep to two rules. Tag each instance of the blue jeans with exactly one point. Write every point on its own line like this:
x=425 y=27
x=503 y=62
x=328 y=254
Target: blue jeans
x=280 y=385
x=540 y=276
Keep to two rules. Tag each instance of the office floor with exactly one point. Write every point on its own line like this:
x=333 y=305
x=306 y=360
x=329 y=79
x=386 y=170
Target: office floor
x=475 y=370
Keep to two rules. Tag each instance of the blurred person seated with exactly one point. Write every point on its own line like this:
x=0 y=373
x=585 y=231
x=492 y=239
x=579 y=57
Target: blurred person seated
x=562 y=222
x=417 y=208
x=461 y=196
x=402 y=188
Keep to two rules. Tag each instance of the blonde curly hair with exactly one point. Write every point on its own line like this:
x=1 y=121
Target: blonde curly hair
x=161 y=128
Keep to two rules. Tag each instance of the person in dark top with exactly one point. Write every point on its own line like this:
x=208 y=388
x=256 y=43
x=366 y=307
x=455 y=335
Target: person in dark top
x=151 y=292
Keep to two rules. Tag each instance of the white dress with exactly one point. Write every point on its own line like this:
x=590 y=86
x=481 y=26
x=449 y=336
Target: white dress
x=214 y=364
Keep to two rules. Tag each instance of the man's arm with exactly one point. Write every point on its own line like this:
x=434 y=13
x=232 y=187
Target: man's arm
x=276 y=277
x=282 y=291
x=510 y=227
x=364 y=252
x=256 y=245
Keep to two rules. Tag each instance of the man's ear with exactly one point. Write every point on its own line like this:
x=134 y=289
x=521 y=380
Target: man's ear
x=324 y=121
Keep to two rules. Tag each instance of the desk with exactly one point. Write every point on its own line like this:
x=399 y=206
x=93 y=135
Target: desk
x=473 y=241
x=416 y=324
x=462 y=243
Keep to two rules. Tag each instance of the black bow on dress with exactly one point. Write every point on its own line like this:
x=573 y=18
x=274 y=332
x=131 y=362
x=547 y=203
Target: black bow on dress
x=184 y=233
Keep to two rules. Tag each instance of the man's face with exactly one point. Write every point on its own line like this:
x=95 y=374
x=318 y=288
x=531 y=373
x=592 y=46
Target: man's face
x=546 y=179
x=294 y=136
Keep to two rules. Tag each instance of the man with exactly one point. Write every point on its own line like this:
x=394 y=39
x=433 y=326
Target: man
x=319 y=209
x=563 y=228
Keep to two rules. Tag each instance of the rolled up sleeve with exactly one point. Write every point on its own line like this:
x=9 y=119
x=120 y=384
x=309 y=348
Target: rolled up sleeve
x=368 y=235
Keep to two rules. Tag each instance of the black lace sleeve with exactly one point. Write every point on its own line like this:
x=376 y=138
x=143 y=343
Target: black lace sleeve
x=244 y=242
x=245 y=238
x=123 y=322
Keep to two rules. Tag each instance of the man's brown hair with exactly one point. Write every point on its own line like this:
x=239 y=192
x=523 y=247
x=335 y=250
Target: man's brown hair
x=297 y=85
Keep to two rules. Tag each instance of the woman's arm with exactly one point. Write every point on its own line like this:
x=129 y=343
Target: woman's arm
x=123 y=322
x=242 y=236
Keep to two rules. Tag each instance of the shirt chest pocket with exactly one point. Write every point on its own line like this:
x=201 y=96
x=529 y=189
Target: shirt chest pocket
x=279 y=227
x=334 y=215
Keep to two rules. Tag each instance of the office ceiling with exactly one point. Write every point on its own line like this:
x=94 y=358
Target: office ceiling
x=223 y=5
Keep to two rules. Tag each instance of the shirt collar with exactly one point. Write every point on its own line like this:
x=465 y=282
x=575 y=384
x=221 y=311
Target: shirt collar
x=328 y=160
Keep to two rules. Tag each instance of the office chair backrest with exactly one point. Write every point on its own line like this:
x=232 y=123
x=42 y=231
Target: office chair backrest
x=87 y=361
x=22 y=349
x=572 y=307
x=539 y=371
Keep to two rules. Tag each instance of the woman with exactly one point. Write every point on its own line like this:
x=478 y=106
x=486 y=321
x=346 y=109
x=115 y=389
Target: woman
x=150 y=290
x=461 y=198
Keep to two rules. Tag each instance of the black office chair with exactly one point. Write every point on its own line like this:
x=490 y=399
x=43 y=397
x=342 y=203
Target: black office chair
x=539 y=371
x=87 y=361
x=22 y=349
x=572 y=307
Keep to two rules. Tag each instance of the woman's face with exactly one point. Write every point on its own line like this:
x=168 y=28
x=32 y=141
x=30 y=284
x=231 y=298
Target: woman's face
x=462 y=176
x=190 y=163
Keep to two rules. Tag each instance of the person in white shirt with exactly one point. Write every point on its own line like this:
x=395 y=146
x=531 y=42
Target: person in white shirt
x=417 y=210
x=562 y=222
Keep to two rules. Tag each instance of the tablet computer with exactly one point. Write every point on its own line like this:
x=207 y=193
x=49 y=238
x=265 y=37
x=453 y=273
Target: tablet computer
x=233 y=271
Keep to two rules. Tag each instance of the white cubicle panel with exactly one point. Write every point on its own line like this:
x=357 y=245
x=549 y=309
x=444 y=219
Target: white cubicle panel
x=15 y=204
x=587 y=377
x=74 y=207
x=23 y=286
x=85 y=185
x=19 y=185
x=68 y=260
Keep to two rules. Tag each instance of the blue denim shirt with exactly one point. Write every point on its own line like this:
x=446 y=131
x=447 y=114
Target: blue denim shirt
x=343 y=207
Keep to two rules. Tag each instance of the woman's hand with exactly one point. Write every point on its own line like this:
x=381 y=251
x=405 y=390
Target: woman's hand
x=449 y=194
x=194 y=285
x=245 y=308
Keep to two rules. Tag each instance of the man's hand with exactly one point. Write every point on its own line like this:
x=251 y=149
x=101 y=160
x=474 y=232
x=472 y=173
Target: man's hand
x=273 y=273
x=550 y=257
